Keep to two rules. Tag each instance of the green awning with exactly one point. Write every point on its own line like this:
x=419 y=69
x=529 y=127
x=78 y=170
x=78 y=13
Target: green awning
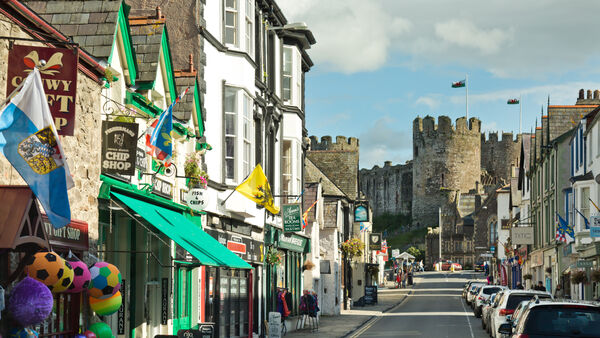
x=185 y=233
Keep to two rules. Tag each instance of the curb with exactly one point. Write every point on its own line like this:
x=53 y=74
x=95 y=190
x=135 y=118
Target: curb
x=373 y=319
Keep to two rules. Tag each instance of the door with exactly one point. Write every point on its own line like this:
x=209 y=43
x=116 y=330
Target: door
x=183 y=296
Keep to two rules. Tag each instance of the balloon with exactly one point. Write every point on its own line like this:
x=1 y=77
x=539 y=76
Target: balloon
x=89 y=334
x=101 y=330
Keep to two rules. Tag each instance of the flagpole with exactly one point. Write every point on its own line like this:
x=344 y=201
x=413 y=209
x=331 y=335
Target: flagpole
x=244 y=180
x=467 y=94
x=520 y=113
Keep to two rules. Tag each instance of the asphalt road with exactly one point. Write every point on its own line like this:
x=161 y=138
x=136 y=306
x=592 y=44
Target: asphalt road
x=434 y=309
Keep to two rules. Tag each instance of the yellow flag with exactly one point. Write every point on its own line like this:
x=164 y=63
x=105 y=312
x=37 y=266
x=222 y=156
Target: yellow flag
x=256 y=187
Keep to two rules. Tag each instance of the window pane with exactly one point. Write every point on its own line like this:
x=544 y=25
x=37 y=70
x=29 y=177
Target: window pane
x=230 y=100
x=229 y=168
x=229 y=124
x=230 y=19
x=229 y=146
x=287 y=61
x=230 y=3
x=230 y=35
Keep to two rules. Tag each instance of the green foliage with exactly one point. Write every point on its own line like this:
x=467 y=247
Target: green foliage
x=405 y=238
x=353 y=247
x=390 y=221
x=419 y=255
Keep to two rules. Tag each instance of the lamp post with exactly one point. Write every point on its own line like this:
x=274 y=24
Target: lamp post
x=440 y=228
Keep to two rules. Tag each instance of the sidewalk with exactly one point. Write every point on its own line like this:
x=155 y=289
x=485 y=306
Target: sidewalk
x=350 y=320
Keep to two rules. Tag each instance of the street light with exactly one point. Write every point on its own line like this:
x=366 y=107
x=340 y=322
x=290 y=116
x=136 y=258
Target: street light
x=295 y=26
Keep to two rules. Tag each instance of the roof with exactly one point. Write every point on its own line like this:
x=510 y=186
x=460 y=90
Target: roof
x=92 y=25
x=313 y=174
x=19 y=224
x=146 y=36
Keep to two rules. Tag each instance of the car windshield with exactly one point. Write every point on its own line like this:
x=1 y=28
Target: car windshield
x=563 y=320
x=489 y=291
x=514 y=300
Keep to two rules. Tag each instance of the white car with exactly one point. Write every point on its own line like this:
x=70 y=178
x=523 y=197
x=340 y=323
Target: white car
x=508 y=302
x=484 y=294
x=471 y=293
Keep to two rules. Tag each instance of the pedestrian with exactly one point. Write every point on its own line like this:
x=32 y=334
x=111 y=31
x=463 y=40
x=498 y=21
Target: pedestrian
x=558 y=292
x=519 y=286
x=489 y=280
x=540 y=286
x=398 y=278
x=486 y=268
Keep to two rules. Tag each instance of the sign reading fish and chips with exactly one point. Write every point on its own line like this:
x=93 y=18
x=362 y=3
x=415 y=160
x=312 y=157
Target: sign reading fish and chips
x=58 y=69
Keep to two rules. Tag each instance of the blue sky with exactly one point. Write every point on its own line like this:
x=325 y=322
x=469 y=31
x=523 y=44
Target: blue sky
x=381 y=63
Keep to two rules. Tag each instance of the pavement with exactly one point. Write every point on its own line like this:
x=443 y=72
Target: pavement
x=349 y=321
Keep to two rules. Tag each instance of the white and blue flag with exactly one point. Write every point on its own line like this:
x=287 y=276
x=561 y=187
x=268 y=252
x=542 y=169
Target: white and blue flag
x=29 y=141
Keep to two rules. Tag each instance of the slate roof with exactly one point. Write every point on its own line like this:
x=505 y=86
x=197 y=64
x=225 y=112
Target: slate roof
x=146 y=36
x=91 y=24
x=183 y=110
x=313 y=174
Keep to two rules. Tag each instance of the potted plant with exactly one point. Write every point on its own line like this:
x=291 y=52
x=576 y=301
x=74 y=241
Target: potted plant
x=595 y=276
x=193 y=171
x=578 y=277
x=527 y=276
x=549 y=270
x=273 y=257
x=353 y=247
x=308 y=265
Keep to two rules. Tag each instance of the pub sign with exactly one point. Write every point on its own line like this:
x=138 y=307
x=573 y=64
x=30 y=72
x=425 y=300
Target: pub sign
x=361 y=211
x=375 y=241
x=119 y=141
x=58 y=69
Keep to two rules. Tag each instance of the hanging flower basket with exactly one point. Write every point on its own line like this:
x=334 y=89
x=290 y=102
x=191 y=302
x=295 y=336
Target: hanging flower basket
x=273 y=257
x=527 y=276
x=353 y=247
x=193 y=171
x=549 y=270
x=308 y=265
x=595 y=276
x=578 y=277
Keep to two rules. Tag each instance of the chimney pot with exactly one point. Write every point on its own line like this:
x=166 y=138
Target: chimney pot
x=596 y=94
x=191 y=68
x=589 y=94
x=158 y=13
x=581 y=93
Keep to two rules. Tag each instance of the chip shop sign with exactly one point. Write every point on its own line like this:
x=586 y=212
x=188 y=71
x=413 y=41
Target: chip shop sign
x=58 y=69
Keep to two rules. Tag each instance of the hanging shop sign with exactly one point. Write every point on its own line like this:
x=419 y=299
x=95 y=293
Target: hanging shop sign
x=162 y=188
x=292 y=242
x=164 y=302
x=140 y=159
x=247 y=248
x=197 y=199
x=521 y=235
x=58 y=70
x=374 y=241
x=585 y=264
x=119 y=147
x=292 y=217
x=395 y=253
x=361 y=211
x=74 y=235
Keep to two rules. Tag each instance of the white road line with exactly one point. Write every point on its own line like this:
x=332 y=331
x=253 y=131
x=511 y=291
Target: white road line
x=467 y=317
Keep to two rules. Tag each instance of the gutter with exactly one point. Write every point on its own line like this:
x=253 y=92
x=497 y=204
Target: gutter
x=41 y=23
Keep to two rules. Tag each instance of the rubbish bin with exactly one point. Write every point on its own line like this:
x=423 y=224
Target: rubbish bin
x=410 y=281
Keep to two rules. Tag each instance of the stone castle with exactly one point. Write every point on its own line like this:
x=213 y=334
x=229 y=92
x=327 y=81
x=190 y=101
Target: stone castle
x=446 y=158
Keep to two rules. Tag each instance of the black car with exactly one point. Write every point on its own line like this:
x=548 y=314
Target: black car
x=479 y=266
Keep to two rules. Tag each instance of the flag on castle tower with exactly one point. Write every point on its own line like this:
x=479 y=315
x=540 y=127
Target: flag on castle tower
x=459 y=84
x=512 y=101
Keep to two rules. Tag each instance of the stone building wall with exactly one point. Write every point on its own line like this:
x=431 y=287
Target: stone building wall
x=338 y=161
x=388 y=189
x=82 y=149
x=444 y=156
x=498 y=157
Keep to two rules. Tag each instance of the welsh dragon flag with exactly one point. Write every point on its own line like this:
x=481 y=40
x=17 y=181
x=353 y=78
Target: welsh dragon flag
x=512 y=101
x=459 y=84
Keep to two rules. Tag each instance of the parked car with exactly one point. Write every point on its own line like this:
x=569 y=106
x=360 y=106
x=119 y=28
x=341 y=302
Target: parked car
x=467 y=287
x=455 y=266
x=443 y=265
x=547 y=318
x=488 y=308
x=482 y=296
x=508 y=302
x=473 y=291
x=478 y=266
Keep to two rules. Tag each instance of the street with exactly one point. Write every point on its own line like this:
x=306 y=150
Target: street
x=433 y=309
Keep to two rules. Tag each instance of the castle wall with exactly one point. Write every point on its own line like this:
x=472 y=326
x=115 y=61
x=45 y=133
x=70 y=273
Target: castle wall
x=389 y=189
x=444 y=156
x=338 y=160
x=497 y=157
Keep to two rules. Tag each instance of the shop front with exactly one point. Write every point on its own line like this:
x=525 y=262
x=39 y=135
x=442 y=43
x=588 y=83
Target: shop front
x=163 y=255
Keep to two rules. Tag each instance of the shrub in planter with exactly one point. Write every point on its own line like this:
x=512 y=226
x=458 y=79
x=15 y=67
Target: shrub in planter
x=273 y=257
x=353 y=247
x=595 y=276
x=578 y=277
x=527 y=276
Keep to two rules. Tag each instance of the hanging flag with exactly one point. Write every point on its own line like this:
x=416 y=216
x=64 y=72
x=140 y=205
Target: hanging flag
x=587 y=223
x=564 y=232
x=459 y=84
x=29 y=141
x=256 y=188
x=512 y=101
x=305 y=214
x=159 y=141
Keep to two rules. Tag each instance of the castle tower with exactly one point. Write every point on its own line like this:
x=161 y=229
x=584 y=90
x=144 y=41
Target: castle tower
x=444 y=157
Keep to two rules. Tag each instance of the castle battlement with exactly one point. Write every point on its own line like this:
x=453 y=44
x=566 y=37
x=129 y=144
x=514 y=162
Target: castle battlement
x=492 y=138
x=427 y=127
x=341 y=143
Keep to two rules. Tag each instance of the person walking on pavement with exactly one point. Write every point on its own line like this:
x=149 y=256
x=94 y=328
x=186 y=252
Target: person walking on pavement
x=558 y=293
x=519 y=286
x=540 y=286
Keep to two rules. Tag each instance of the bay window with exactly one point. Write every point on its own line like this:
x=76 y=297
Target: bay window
x=230 y=111
x=291 y=76
x=286 y=168
x=238 y=133
x=249 y=31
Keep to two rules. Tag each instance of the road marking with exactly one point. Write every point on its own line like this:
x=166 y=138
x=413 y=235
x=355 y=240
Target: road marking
x=467 y=317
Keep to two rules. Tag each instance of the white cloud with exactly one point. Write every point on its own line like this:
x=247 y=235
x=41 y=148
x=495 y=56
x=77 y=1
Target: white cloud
x=465 y=34
x=383 y=142
x=508 y=38
x=428 y=101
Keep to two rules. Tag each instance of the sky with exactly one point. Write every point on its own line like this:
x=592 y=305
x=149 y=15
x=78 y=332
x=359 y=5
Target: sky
x=378 y=64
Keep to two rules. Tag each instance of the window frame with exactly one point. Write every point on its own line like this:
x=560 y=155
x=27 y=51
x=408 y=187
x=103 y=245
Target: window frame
x=287 y=165
x=287 y=74
x=247 y=120
x=227 y=175
x=235 y=28
x=249 y=27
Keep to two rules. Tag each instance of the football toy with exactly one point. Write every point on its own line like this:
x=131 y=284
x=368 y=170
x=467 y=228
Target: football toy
x=105 y=280
x=81 y=277
x=65 y=281
x=108 y=306
x=46 y=267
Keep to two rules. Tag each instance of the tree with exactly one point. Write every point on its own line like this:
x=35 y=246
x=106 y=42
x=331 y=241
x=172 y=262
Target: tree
x=419 y=255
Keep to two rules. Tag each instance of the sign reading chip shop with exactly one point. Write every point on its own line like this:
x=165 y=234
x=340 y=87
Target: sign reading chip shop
x=58 y=69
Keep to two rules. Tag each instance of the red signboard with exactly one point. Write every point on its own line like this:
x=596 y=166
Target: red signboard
x=236 y=247
x=58 y=69
x=73 y=236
